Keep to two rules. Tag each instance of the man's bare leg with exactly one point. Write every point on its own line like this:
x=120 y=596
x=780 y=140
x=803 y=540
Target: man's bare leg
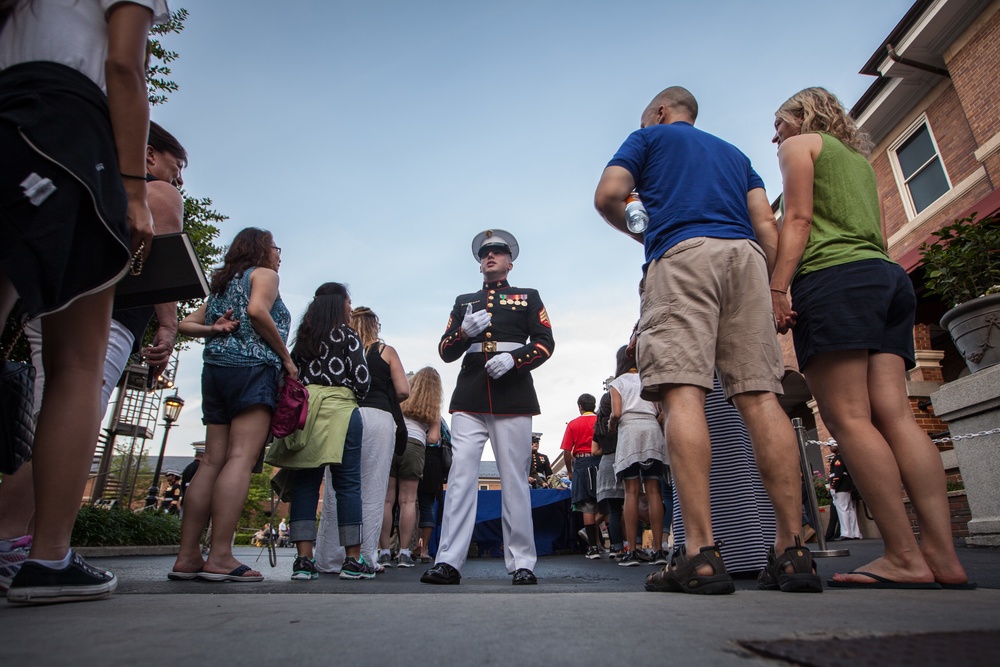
x=777 y=455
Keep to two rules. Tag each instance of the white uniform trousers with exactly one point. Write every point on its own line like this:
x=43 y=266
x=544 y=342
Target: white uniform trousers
x=847 y=514
x=510 y=437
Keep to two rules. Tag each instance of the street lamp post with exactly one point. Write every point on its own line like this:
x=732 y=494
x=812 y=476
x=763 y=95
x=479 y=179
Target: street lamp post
x=171 y=412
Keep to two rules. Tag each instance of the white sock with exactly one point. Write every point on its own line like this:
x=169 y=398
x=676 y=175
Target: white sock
x=385 y=552
x=55 y=564
x=404 y=551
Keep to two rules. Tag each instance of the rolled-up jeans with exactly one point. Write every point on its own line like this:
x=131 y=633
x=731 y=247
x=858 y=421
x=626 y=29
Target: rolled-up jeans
x=346 y=477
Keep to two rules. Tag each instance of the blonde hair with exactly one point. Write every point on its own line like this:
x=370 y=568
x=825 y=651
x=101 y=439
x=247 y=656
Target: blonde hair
x=365 y=322
x=819 y=110
x=424 y=403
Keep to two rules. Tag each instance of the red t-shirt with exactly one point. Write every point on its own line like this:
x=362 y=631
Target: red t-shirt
x=579 y=434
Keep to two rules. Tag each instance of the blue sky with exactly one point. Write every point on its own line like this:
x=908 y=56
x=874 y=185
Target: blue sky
x=376 y=139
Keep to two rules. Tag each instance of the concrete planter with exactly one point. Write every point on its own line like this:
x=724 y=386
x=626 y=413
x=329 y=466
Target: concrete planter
x=971 y=406
x=975 y=328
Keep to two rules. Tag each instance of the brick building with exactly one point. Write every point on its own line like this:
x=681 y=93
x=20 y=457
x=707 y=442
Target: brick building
x=932 y=117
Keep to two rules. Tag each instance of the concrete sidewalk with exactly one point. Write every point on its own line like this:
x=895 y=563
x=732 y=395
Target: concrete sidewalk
x=582 y=613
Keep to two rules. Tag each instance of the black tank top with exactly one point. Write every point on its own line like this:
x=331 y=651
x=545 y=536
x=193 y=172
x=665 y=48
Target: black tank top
x=381 y=390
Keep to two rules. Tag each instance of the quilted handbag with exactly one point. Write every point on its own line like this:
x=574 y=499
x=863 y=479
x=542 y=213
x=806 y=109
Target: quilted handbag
x=17 y=418
x=293 y=407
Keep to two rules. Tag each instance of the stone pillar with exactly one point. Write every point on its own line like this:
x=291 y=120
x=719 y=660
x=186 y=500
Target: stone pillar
x=970 y=405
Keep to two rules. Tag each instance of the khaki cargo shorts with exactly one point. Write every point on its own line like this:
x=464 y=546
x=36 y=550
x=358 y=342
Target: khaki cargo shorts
x=706 y=306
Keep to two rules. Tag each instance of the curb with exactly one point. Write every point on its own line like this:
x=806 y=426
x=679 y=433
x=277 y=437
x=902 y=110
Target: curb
x=115 y=552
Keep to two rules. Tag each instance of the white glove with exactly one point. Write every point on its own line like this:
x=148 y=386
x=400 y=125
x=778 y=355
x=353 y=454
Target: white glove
x=474 y=323
x=497 y=366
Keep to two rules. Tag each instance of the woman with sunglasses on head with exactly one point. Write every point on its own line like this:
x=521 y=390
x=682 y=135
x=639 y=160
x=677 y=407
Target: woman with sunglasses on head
x=245 y=324
x=852 y=326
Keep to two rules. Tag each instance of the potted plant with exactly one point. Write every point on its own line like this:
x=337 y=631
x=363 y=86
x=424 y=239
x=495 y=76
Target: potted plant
x=963 y=267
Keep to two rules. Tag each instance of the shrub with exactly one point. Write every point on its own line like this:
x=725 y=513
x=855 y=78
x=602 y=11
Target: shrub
x=97 y=527
x=964 y=263
x=822 y=494
x=242 y=539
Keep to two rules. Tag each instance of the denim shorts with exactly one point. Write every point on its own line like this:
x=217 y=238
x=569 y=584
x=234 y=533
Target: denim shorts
x=864 y=305
x=226 y=391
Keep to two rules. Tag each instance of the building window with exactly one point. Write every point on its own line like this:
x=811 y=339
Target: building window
x=920 y=170
x=484 y=487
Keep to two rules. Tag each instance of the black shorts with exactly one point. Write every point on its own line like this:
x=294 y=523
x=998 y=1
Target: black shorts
x=645 y=471
x=863 y=305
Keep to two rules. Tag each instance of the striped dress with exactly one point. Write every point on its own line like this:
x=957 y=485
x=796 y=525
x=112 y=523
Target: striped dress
x=742 y=515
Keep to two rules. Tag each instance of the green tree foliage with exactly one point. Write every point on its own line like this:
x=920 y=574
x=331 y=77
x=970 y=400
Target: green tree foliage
x=200 y=220
x=157 y=83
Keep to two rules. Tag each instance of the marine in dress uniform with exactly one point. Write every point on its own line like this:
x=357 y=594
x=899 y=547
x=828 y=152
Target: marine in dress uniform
x=541 y=467
x=501 y=333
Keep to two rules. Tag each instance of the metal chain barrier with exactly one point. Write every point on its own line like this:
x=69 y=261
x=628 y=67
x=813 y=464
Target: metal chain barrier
x=953 y=438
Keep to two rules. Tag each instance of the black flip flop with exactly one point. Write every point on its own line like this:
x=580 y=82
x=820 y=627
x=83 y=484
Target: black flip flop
x=967 y=586
x=235 y=575
x=882 y=582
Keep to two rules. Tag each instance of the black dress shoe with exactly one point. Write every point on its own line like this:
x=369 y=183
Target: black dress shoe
x=524 y=577
x=442 y=574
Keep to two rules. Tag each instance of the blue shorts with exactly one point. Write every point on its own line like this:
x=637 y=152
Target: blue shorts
x=864 y=305
x=226 y=391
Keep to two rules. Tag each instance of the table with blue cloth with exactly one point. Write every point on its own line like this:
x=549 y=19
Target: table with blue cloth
x=551 y=514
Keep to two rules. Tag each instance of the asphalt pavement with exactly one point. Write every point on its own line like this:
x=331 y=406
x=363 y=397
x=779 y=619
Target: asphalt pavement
x=583 y=612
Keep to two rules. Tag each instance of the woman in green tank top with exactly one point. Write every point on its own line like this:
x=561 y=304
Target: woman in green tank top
x=852 y=327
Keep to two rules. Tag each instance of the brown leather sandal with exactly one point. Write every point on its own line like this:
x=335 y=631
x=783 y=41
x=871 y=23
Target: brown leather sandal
x=802 y=579
x=681 y=574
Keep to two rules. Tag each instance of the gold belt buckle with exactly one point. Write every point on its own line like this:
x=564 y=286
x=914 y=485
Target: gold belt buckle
x=490 y=346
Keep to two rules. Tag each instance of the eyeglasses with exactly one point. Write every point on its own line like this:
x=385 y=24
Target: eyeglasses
x=277 y=248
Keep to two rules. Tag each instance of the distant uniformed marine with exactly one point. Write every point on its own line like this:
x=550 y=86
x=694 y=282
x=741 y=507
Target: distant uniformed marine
x=501 y=333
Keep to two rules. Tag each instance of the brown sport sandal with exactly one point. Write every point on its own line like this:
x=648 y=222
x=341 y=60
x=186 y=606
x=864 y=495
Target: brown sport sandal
x=802 y=578
x=681 y=574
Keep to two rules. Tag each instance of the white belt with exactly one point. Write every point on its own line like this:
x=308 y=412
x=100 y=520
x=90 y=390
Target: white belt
x=491 y=346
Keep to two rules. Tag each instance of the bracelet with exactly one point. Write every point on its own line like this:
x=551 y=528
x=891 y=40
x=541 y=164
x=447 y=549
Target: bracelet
x=139 y=178
x=779 y=291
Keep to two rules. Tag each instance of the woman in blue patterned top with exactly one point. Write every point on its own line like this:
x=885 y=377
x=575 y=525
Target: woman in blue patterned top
x=332 y=362
x=245 y=325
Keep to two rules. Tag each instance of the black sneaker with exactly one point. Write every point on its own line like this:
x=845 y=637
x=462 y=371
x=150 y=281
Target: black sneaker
x=77 y=582
x=630 y=560
x=594 y=553
x=304 y=569
x=643 y=555
x=357 y=568
x=660 y=558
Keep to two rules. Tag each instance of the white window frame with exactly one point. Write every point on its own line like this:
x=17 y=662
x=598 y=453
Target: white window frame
x=897 y=171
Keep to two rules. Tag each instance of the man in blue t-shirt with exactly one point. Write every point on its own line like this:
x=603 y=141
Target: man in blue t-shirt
x=710 y=246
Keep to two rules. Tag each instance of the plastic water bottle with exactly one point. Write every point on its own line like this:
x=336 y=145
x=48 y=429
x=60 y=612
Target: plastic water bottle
x=636 y=217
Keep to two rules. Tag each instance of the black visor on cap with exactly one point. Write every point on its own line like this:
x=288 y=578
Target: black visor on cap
x=503 y=247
